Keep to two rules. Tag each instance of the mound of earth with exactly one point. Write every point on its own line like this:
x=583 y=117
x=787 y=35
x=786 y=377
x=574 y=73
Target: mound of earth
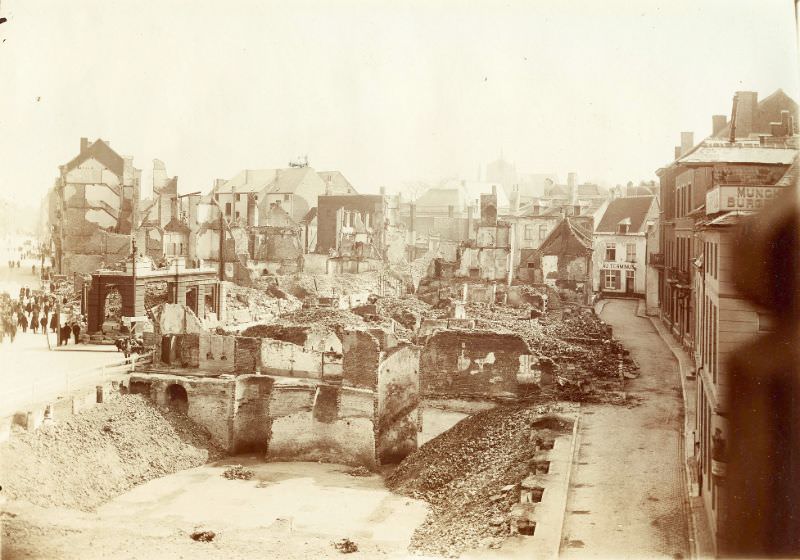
x=462 y=474
x=101 y=453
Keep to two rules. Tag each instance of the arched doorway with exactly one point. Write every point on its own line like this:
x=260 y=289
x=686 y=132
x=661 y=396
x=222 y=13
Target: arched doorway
x=112 y=305
x=177 y=399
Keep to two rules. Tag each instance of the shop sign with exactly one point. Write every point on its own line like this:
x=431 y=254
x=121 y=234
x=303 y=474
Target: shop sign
x=726 y=198
x=619 y=266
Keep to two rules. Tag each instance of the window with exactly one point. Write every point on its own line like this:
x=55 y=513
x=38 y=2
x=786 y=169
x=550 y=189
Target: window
x=611 y=251
x=528 y=232
x=286 y=197
x=622 y=228
x=237 y=215
x=611 y=279
x=629 y=279
x=630 y=252
x=227 y=208
x=238 y=197
x=542 y=233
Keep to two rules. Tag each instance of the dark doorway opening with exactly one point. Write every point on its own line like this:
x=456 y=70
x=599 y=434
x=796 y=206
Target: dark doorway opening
x=177 y=399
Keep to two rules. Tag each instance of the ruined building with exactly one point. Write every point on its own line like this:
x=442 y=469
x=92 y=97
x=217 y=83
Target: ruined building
x=92 y=208
x=293 y=393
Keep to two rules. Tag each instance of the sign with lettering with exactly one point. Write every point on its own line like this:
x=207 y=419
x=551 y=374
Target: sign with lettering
x=619 y=266
x=726 y=198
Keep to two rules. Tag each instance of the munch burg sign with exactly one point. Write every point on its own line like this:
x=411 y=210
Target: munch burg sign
x=725 y=198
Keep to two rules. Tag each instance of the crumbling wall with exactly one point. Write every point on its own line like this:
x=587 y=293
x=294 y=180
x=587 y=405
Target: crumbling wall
x=462 y=363
x=360 y=361
x=398 y=404
x=174 y=318
x=217 y=353
x=321 y=428
x=286 y=358
x=247 y=354
x=252 y=423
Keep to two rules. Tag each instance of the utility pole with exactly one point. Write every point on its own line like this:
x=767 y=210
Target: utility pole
x=221 y=246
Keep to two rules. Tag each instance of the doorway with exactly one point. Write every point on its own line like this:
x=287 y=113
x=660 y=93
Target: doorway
x=629 y=281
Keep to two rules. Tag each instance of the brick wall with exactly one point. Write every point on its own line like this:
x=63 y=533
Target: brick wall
x=462 y=363
x=247 y=354
x=360 y=361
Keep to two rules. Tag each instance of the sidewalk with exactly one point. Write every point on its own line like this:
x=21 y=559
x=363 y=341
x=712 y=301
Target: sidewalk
x=702 y=539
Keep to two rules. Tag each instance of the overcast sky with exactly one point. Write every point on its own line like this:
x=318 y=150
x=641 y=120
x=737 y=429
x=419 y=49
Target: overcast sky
x=386 y=92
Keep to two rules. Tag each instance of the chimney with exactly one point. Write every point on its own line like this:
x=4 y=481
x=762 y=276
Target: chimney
x=572 y=183
x=677 y=152
x=515 y=199
x=84 y=144
x=382 y=190
x=536 y=207
x=783 y=128
x=745 y=112
x=494 y=190
x=718 y=122
x=687 y=142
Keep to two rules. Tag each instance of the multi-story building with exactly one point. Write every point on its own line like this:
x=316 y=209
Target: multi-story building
x=706 y=193
x=683 y=186
x=620 y=246
x=92 y=207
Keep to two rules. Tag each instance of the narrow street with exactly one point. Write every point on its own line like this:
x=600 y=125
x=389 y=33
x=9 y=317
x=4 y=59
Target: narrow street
x=627 y=493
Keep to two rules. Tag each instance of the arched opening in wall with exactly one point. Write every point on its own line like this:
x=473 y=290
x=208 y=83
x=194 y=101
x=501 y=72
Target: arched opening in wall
x=112 y=306
x=177 y=399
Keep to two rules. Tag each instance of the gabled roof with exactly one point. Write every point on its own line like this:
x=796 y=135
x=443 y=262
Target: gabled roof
x=589 y=189
x=337 y=182
x=725 y=152
x=767 y=111
x=633 y=208
x=103 y=153
x=284 y=181
x=566 y=238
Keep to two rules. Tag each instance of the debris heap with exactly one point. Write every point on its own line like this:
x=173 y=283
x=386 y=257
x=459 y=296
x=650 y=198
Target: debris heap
x=471 y=476
x=101 y=453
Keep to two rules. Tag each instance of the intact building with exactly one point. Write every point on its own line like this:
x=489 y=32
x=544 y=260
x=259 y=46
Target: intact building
x=620 y=246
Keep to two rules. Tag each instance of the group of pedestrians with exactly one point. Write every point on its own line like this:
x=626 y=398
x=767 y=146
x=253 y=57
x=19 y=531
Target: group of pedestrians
x=36 y=311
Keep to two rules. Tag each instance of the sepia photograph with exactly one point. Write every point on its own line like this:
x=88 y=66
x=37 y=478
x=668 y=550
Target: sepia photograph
x=399 y=279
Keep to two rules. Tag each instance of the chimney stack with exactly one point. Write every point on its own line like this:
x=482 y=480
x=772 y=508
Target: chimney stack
x=494 y=190
x=572 y=183
x=718 y=122
x=747 y=101
x=687 y=142
x=515 y=199
x=84 y=144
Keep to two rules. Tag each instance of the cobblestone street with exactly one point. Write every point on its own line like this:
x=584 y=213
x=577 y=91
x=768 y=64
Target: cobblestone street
x=627 y=496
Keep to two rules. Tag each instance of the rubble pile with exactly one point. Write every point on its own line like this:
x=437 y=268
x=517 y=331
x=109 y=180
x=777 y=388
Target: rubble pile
x=470 y=475
x=246 y=305
x=336 y=320
x=590 y=363
x=303 y=285
x=237 y=472
x=155 y=293
x=101 y=453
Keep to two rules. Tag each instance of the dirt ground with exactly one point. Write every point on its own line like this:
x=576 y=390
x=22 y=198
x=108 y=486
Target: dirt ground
x=287 y=510
x=627 y=497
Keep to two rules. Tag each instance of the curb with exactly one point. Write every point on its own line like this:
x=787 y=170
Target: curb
x=568 y=480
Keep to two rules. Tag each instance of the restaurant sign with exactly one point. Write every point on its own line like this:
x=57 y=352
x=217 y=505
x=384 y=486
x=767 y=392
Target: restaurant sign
x=725 y=198
x=619 y=266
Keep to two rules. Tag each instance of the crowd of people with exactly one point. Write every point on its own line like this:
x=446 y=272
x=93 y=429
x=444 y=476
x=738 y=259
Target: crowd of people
x=37 y=311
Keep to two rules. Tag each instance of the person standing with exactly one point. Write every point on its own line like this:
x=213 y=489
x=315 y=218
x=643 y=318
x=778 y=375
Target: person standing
x=76 y=331
x=54 y=322
x=43 y=323
x=23 y=322
x=34 y=322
